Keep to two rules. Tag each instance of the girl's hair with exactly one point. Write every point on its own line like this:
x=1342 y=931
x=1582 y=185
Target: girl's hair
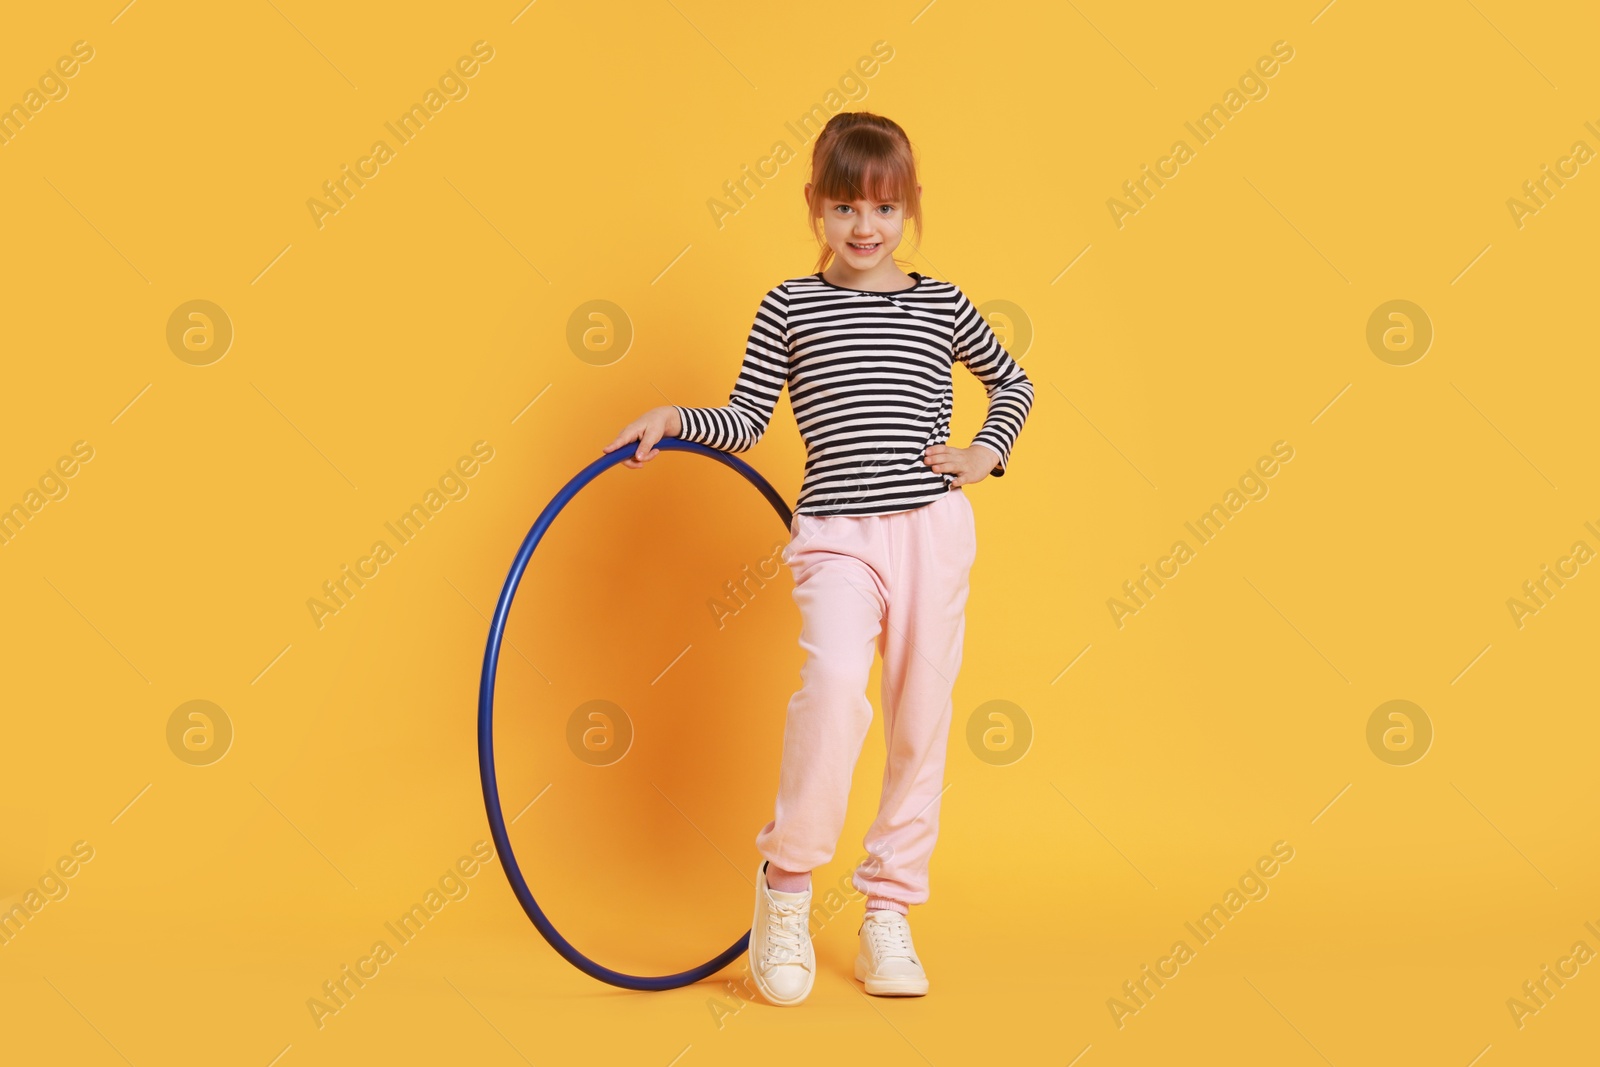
x=862 y=156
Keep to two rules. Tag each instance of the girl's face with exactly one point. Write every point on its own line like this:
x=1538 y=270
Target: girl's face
x=863 y=234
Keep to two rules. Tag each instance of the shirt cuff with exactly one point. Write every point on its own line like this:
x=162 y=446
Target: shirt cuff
x=685 y=430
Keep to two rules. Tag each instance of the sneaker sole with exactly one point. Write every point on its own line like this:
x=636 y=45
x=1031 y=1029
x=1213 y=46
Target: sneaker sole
x=890 y=987
x=775 y=1001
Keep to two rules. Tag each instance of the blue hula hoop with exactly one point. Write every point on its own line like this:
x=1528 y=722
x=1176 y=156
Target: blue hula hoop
x=491 y=661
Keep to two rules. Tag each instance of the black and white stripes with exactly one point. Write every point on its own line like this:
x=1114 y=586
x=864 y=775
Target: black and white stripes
x=869 y=377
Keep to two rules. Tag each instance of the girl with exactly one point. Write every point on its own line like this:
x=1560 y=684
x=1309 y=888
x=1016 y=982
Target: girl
x=880 y=547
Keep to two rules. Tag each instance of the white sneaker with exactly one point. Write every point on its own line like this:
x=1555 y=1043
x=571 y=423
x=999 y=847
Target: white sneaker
x=782 y=959
x=888 y=962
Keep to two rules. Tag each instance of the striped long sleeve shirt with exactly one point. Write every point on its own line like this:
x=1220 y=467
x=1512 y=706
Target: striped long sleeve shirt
x=870 y=381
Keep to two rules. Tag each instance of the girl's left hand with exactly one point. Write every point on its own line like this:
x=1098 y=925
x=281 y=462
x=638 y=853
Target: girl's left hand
x=969 y=465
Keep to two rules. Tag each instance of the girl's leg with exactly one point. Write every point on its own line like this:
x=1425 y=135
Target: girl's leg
x=787 y=881
x=933 y=551
x=841 y=604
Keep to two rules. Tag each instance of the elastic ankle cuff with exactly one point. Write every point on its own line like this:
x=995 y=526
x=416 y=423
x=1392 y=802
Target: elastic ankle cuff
x=881 y=904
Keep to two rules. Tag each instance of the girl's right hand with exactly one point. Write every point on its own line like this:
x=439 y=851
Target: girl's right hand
x=647 y=429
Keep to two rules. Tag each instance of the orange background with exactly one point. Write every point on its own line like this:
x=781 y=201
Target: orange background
x=373 y=347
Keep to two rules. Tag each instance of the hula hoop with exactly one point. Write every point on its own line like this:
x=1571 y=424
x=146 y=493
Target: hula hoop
x=491 y=662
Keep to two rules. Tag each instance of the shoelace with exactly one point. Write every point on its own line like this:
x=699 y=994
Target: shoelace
x=785 y=926
x=891 y=937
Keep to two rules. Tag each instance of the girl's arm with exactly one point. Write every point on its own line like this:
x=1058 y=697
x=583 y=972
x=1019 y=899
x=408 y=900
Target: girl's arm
x=1010 y=390
x=741 y=422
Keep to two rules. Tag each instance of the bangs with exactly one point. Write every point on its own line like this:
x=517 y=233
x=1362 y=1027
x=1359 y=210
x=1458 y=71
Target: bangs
x=866 y=167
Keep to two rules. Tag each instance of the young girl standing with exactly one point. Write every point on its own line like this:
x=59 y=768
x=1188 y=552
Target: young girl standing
x=880 y=547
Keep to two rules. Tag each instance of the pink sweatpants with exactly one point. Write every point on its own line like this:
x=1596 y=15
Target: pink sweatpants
x=897 y=583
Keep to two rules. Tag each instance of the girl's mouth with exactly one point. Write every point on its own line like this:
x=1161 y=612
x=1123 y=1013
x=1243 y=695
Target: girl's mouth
x=863 y=249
